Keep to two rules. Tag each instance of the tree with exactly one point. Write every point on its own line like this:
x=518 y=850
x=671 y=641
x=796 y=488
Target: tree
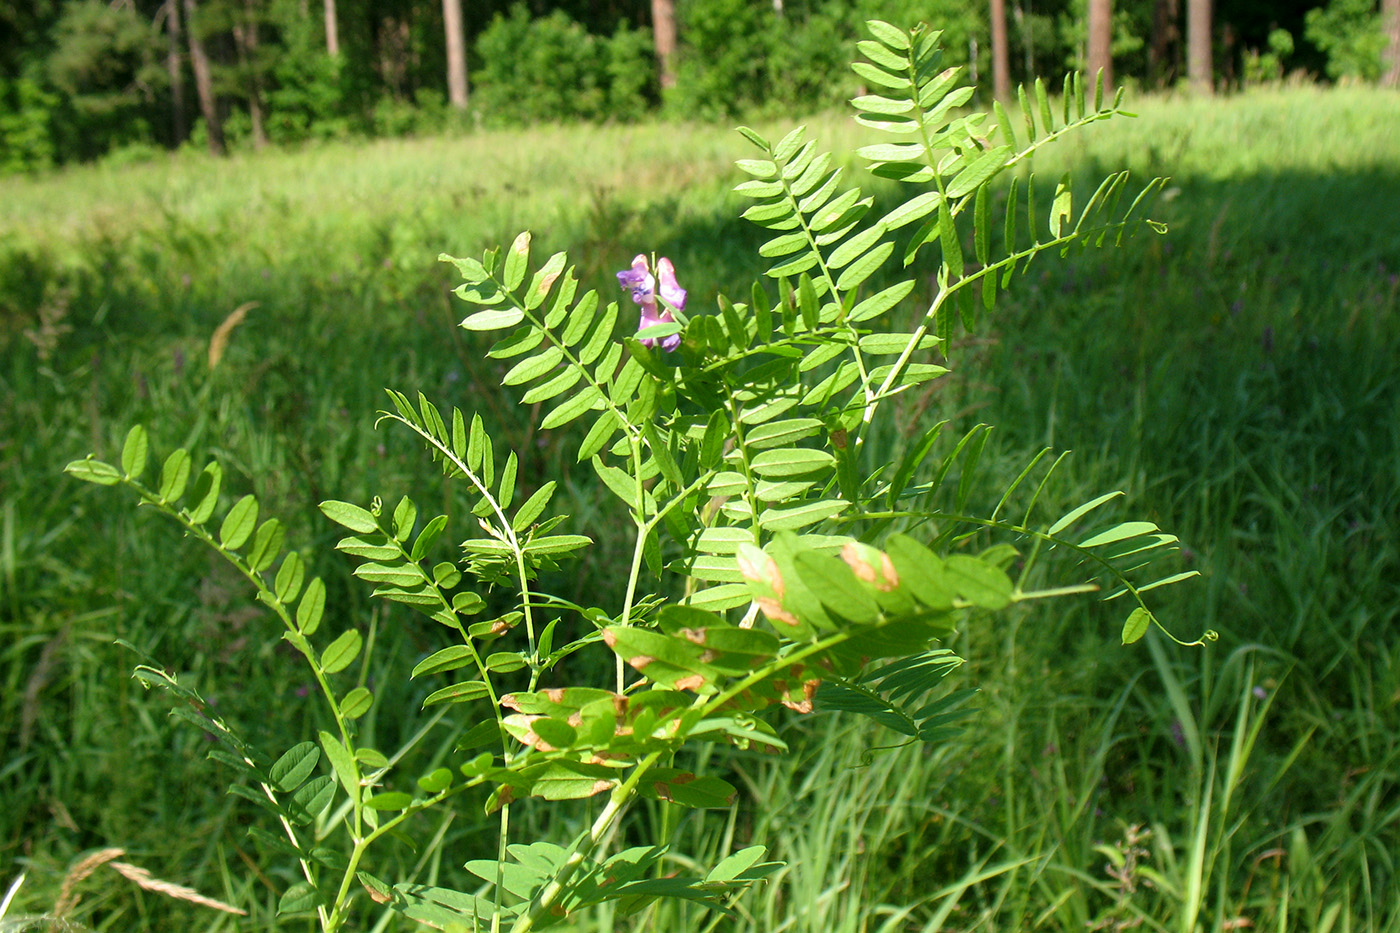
x=105 y=61
x=1198 y=46
x=1390 y=61
x=245 y=39
x=456 y=54
x=1001 y=55
x=332 y=30
x=1161 y=63
x=204 y=80
x=1100 y=53
x=175 y=65
x=663 y=28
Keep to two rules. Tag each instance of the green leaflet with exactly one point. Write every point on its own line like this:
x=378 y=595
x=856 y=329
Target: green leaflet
x=342 y=652
x=1136 y=625
x=174 y=475
x=239 y=523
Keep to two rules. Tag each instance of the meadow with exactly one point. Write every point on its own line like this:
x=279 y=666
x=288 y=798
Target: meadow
x=1238 y=378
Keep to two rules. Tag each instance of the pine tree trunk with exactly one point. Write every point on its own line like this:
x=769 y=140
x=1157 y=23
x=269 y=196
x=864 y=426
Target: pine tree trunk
x=332 y=31
x=1100 y=57
x=1023 y=25
x=663 y=33
x=1165 y=34
x=1390 y=16
x=1001 y=55
x=456 y=54
x=245 y=37
x=179 y=122
x=203 y=81
x=1198 y=46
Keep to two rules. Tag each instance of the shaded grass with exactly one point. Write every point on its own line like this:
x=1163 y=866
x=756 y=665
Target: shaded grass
x=1239 y=379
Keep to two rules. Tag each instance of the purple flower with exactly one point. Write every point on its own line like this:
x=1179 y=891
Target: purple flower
x=1178 y=733
x=643 y=286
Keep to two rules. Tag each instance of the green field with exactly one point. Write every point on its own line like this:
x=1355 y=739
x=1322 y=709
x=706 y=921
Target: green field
x=1238 y=378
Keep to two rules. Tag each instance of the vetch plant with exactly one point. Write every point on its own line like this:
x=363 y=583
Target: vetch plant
x=781 y=557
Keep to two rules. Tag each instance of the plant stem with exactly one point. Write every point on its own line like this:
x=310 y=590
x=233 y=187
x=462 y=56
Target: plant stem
x=584 y=845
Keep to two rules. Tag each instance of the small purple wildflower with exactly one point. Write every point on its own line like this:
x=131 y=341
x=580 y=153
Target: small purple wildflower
x=1178 y=733
x=643 y=286
x=1260 y=693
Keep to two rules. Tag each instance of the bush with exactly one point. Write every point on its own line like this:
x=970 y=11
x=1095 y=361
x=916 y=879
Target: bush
x=632 y=85
x=26 y=137
x=1349 y=33
x=737 y=56
x=720 y=66
x=551 y=68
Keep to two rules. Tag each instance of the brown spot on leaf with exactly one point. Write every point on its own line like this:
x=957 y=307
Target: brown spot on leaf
x=856 y=561
x=809 y=690
x=870 y=566
x=765 y=571
x=891 y=575
x=775 y=611
x=693 y=682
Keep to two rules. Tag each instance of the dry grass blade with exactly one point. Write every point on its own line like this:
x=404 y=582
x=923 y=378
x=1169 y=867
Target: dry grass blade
x=218 y=343
x=68 y=897
x=148 y=881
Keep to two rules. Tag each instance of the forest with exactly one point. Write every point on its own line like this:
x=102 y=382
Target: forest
x=80 y=79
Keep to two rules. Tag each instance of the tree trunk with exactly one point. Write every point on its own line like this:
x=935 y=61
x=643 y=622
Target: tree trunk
x=204 y=81
x=1390 y=16
x=1001 y=55
x=332 y=31
x=1100 y=57
x=245 y=37
x=1198 y=46
x=179 y=125
x=663 y=33
x=456 y=54
x=1023 y=25
x=1165 y=35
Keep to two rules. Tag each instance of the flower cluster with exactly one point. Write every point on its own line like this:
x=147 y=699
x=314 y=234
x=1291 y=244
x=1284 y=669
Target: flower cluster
x=643 y=286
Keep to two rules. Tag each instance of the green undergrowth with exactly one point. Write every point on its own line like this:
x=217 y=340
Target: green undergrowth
x=1238 y=378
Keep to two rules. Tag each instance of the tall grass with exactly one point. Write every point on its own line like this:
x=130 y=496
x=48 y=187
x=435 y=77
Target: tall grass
x=1239 y=378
